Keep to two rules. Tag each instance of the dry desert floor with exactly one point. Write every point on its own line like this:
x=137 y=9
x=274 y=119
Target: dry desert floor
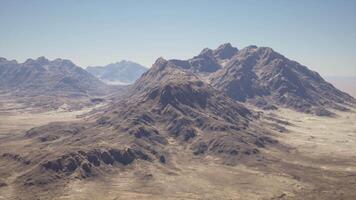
x=320 y=163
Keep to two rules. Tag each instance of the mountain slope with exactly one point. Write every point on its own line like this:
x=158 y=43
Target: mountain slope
x=124 y=72
x=191 y=110
x=267 y=79
x=265 y=76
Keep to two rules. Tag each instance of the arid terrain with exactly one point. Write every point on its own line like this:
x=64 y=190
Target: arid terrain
x=226 y=124
x=177 y=100
x=319 y=164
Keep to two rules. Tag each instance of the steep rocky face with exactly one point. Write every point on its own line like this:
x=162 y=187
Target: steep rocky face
x=123 y=72
x=42 y=76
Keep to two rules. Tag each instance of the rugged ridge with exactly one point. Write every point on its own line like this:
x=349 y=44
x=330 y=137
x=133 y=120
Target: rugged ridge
x=263 y=77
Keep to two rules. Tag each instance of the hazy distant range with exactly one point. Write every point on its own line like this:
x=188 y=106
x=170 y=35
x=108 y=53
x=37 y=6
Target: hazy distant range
x=119 y=73
x=344 y=83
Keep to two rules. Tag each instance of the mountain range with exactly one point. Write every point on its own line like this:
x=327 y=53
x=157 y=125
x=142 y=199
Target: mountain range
x=204 y=107
x=46 y=83
x=45 y=76
x=165 y=107
x=254 y=75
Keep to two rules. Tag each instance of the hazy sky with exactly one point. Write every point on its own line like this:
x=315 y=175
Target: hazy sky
x=319 y=34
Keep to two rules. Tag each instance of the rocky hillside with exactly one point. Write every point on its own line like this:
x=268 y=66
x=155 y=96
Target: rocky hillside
x=166 y=107
x=265 y=78
x=177 y=104
x=120 y=73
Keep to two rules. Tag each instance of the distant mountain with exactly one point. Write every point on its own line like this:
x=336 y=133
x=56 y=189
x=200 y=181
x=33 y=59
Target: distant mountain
x=120 y=73
x=48 y=80
x=45 y=76
x=263 y=77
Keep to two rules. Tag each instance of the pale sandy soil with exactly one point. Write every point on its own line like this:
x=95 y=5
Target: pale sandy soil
x=14 y=118
x=315 y=136
x=320 y=164
x=194 y=180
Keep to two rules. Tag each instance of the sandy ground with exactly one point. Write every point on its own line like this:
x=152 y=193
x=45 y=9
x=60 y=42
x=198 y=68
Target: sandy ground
x=190 y=178
x=192 y=181
x=321 y=164
x=14 y=118
x=322 y=136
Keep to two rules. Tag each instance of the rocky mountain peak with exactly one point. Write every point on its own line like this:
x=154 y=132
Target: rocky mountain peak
x=63 y=62
x=225 y=51
x=159 y=65
x=29 y=61
x=42 y=60
x=206 y=51
x=5 y=61
x=159 y=62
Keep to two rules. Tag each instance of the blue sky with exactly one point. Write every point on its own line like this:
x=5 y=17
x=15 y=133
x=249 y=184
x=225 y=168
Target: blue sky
x=319 y=34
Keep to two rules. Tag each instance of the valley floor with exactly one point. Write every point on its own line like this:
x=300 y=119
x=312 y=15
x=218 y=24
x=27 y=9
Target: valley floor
x=320 y=164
